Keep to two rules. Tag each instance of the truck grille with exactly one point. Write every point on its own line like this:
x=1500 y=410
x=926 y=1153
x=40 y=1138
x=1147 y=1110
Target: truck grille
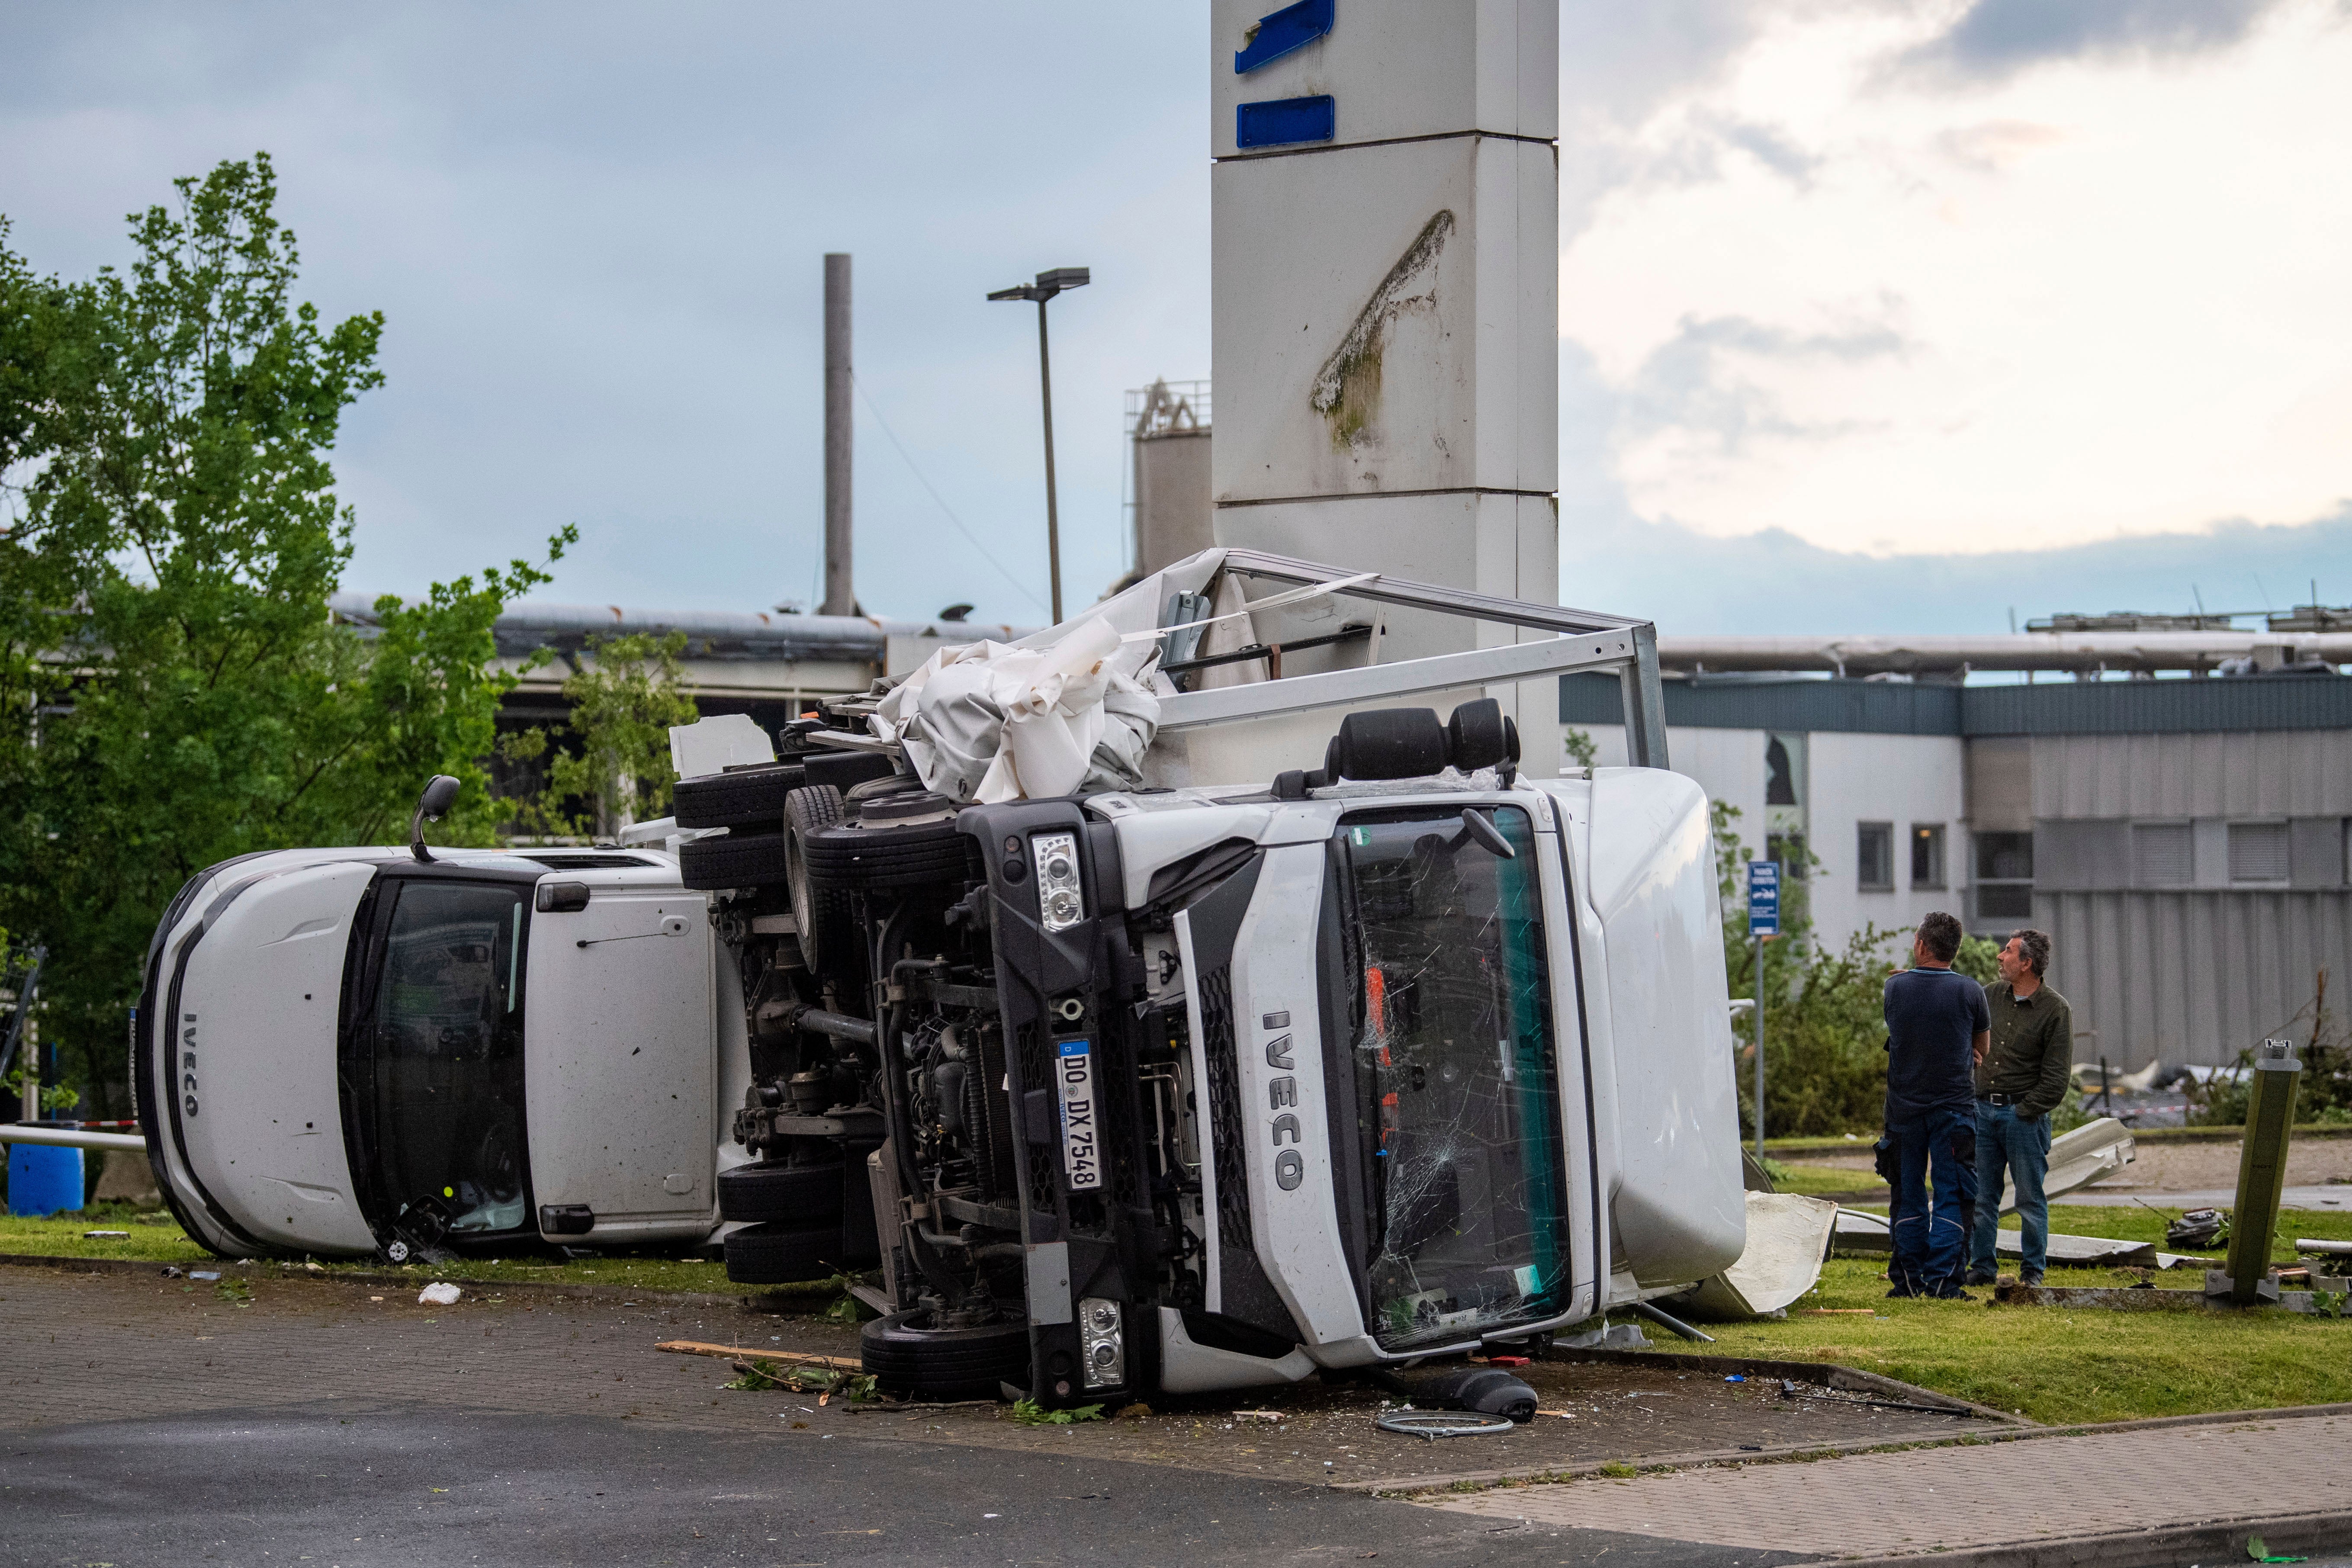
x=1225 y=1134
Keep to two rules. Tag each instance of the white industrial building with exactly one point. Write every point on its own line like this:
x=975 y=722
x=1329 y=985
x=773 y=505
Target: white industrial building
x=2183 y=841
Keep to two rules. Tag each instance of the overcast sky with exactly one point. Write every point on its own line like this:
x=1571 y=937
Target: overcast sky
x=1874 y=316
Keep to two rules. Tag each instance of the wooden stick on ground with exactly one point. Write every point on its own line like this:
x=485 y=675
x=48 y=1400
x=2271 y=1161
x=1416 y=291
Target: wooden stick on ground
x=792 y=1358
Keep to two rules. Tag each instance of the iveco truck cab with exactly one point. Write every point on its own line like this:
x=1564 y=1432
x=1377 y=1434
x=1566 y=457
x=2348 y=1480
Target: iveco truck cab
x=359 y=1051
x=1186 y=1084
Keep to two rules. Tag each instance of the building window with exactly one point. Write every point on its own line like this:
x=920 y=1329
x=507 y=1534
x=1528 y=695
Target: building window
x=2004 y=875
x=1784 y=803
x=1873 y=856
x=2164 y=855
x=2258 y=852
x=1927 y=854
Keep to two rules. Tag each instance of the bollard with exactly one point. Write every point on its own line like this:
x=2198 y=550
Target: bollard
x=2262 y=1176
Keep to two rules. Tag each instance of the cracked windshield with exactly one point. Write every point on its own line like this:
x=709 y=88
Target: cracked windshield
x=1457 y=1096
x=445 y=1101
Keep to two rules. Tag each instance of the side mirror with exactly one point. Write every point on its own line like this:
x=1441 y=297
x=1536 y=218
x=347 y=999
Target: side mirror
x=439 y=796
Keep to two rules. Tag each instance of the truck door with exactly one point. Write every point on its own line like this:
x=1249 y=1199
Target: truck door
x=621 y=1049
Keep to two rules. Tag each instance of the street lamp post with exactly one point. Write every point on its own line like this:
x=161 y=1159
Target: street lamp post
x=1048 y=284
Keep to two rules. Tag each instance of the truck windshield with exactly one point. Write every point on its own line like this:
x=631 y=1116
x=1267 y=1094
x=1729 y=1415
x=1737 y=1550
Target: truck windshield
x=434 y=1071
x=1457 y=1092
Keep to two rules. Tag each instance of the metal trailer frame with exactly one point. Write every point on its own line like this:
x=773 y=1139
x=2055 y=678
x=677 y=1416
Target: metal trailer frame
x=1580 y=640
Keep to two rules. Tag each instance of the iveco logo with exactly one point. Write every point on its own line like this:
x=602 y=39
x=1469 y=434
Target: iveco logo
x=1282 y=1093
x=188 y=1062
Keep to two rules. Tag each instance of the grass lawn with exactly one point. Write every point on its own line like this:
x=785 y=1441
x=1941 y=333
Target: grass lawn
x=2067 y=1364
x=156 y=1237
x=1810 y=1179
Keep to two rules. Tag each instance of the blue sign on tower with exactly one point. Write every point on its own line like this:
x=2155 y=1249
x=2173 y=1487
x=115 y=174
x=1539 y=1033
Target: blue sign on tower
x=1763 y=898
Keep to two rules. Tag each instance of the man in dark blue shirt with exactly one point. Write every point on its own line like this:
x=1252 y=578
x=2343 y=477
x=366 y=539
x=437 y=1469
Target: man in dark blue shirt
x=1938 y=1029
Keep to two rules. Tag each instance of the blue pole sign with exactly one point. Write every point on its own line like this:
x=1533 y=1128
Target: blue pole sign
x=1763 y=898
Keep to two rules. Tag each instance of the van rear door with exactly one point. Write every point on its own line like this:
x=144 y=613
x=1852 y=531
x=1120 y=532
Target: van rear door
x=621 y=1046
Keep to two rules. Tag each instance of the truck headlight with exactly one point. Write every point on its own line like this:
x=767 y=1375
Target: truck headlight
x=1102 y=1341
x=1060 y=900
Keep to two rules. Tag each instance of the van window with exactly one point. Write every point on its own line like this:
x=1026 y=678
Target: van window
x=432 y=1071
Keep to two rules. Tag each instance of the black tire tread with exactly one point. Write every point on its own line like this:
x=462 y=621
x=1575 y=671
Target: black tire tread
x=828 y=930
x=749 y=797
x=736 y=859
x=944 y=1363
x=871 y=858
x=799 y=1196
x=782 y=1254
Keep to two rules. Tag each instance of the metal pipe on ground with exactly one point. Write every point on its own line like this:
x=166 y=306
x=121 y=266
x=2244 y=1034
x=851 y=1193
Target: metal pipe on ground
x=1673 y=1325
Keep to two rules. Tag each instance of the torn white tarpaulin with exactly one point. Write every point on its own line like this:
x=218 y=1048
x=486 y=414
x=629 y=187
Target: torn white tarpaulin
x=992 y=722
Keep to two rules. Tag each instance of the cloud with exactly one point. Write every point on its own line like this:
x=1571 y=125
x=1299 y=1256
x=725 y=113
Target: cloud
x=1699 y=383
x=2119 y=284
x=1993 y=38
x=1776 y=583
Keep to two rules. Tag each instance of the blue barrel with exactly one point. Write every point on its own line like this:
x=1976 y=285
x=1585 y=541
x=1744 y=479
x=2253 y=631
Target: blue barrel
x=42 y=1180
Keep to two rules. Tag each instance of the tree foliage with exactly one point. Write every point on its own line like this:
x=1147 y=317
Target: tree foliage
x=623 y=698
x=173 y=689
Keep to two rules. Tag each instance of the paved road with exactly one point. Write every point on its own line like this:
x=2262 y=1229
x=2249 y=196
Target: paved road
x=148 y=1421
x=417 y=1486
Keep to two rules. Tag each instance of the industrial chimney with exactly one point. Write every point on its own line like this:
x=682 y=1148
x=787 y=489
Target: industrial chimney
x=840 y=597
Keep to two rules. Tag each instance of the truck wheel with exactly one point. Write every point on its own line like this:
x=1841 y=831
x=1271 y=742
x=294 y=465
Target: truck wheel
x=749 y=797
x=908 y=1357
x=828 y=934
x=801 y=1195
x=881 y=853
x=738 y=859
x=777 y=1254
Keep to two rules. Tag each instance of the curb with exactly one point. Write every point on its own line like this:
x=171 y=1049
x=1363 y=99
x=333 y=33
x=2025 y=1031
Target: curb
x=1540 y=1474
x=766 y=1301
x=2302 y=1534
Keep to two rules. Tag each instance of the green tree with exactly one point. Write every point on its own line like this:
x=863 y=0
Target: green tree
x=616 y=770
x=174 y=691
x=1824 y=1034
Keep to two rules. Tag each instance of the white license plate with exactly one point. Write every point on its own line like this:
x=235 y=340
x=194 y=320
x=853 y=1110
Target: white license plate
x=1081 y=1146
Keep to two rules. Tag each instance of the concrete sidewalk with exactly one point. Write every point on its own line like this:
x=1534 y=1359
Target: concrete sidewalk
x=2017 y=1491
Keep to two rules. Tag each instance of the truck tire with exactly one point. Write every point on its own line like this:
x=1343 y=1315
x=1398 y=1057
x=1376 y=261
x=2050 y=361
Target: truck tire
x=908 y=1357
x=829 y=942
x=918 y=855
x=749 y=797
x=799 y=1196
x=738 y=859
x=776 y=1254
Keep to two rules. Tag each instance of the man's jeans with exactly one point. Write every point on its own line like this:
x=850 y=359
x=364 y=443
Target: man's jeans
x=2023 y=1146
x=1928 y=1239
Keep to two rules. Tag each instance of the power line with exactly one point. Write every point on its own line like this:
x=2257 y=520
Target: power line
x=873 y=408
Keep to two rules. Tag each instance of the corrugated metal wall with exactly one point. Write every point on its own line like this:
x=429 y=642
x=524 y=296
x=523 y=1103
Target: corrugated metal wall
x=2193 y=976
x=2274 y=772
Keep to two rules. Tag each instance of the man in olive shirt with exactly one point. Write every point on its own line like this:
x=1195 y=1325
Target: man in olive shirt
x=2020 y=1083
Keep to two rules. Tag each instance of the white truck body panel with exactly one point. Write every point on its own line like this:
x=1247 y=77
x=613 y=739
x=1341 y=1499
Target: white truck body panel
x=1654 y=983
x=621 y=1060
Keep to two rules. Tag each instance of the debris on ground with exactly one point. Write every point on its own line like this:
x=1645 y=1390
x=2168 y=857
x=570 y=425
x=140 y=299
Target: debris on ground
x=1609 y=1337
x=440 y=1293
x=1481 y=1390
x=2199 y=1229
x=1788 y=1236
x=1436 y=1424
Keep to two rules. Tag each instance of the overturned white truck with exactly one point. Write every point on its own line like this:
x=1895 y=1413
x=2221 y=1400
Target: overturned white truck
x=1146 y=1038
